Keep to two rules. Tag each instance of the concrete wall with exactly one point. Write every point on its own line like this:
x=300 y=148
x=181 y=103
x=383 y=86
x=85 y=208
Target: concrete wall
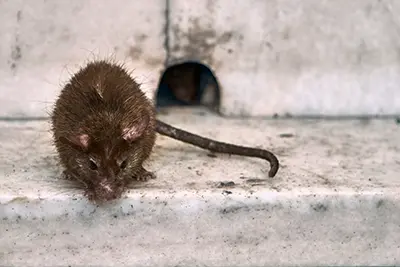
x=43 y=42
x=299 y=57
x=270 y=56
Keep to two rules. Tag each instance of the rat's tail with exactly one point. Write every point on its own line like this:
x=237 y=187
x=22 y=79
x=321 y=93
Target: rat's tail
x=219 y=147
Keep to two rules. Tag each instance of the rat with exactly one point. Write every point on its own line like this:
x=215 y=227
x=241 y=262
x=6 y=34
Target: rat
x=104 y=128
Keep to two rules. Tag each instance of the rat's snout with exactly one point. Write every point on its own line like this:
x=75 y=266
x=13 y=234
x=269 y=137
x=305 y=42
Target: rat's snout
x=109 y=184
x=108 y=189
x=106 y=185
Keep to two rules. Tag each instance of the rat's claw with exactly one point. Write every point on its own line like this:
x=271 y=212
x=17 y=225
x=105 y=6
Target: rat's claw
x=145 y=175
x=66 y=175
x=89 y=195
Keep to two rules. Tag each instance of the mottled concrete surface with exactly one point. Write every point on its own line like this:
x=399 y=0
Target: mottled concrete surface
x=270 y=57
x=290 y=56
x=335 y=200
x=44 y=43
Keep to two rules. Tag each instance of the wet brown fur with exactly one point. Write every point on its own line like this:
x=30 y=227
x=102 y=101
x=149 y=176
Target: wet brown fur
x=80 y=109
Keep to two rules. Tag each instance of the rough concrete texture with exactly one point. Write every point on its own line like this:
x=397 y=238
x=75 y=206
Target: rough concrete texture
x=335 y=200
x=298 y=57
x=271 y=57
x=44 y=42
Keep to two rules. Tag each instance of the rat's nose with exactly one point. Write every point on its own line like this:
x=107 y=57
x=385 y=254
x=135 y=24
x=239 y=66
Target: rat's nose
x=105 y=185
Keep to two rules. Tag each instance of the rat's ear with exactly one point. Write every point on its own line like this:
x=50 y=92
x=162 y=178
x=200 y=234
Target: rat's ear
x=79 y=142
x=134 y=131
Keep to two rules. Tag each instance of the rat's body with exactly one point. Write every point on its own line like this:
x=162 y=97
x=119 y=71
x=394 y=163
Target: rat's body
x=103 y=117
x=105 y=128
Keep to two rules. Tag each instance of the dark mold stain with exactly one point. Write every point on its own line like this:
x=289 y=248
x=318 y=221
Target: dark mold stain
x=286 y=135
x=16 y=52
x=200 y=42
x=202 y=114
x=153 y=61
x=141 y=37
x=16 y=55
x=379 y=203
x=244 y=208
x=135 y=52
x=226 y=192
x=319 y=207
x=361 y=52
x=255 y=180
x=225 y=37
x=211 y=155
x=368 y=10
x=211 y=6
x=258 y=184
x=288 y=115
x=19 y=15
x=225 y=184
x=286 y=34
x=191 y=184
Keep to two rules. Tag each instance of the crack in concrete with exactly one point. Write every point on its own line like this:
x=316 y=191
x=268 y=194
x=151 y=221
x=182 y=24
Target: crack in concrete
x=166 y=32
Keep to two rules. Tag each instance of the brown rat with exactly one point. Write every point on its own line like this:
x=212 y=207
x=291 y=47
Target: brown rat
x=104 y=128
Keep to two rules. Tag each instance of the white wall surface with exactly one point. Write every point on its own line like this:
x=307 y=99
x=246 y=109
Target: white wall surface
x=271 y=56
x=294 y=56
x=43 y=42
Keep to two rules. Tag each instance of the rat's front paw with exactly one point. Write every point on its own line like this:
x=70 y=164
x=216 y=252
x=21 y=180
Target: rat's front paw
x=90 y=195
x=145 y=175
x=67 y=175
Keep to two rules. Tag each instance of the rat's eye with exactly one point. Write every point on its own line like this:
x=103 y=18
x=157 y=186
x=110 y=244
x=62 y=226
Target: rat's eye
x=92 y=165
x=123 y=164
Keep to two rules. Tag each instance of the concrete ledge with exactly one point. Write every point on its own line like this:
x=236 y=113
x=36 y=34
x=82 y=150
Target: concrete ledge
x=335 y=200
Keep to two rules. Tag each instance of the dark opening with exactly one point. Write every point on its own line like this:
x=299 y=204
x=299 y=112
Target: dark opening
x=188 y=84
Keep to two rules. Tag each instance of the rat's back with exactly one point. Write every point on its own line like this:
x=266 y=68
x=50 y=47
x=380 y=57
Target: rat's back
x=100 y=93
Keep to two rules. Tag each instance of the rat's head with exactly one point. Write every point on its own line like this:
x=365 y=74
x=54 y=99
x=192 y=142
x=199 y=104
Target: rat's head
x=106 y=161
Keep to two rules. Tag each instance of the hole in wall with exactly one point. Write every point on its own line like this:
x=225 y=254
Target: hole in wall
x=188 y=84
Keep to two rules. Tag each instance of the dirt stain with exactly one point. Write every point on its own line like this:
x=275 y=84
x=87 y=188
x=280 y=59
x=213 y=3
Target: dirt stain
x=198 y=42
